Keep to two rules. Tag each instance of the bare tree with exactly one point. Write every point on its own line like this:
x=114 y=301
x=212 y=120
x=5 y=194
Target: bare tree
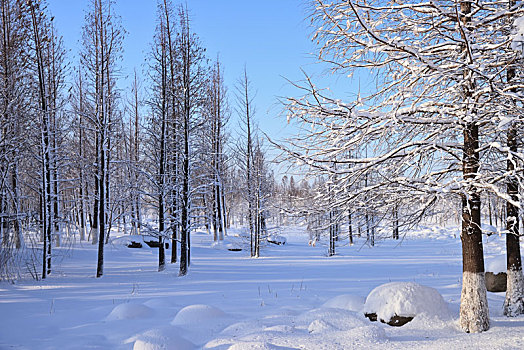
x=48 y=69
x=191 y=84
x=246 y=111
x=14 y=119
x=218 y=118
x=102 y=45
x=159 y=73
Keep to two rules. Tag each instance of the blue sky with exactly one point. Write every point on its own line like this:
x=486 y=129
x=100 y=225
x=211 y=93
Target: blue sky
x=271 y=37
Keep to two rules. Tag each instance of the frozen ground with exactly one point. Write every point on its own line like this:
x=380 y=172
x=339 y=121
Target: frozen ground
x=294 y=297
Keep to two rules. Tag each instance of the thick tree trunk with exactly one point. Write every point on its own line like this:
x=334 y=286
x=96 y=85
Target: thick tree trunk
x=474 y=313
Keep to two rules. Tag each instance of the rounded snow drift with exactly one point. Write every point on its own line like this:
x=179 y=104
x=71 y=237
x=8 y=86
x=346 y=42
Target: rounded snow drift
x=162 y=339
x=400 y=302
x=129 y=311
x=197 y=313
x=256 y=345
x=346 y=302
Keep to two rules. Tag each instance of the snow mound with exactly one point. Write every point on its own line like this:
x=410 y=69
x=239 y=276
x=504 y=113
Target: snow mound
x=196 y=314
x=314 y=329
x=320 y=326
x=241 y=328
x=406 y=299
x=129 y=311
x=226 y=244
x=346 y=302
x=371 y=333
x=280 y=328
x=277 y=239
x=496 y=264
x=318 y=320
x=252 y=345
x=161 y=339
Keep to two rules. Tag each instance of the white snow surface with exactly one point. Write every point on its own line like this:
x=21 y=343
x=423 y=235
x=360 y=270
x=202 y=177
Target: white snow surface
x=407 y=299
x=346 y=302
x=496 y=264
x=292 y=297
x=517 y=42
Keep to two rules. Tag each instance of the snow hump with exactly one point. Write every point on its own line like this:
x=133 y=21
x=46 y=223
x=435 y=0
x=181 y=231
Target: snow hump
x=407 y=299
x=198 y=313
x=129 y=311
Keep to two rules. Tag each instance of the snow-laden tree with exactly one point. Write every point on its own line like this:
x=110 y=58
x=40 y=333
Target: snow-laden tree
x=47 y=68
x=13 y=111
x=256 y=179
x=514 y=302
x=14 y=120
x=245 y=109
x=158 y=125
x=191 y=82
x=437 y=115
x=217 y=117
x=102 y=39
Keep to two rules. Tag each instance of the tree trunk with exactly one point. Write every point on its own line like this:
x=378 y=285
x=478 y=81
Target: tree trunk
x=514 y=302
x=474 y=313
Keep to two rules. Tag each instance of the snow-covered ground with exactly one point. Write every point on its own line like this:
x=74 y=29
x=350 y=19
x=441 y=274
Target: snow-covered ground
x=293 y=297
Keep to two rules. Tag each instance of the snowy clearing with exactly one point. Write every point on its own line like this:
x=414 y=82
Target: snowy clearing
x=293 y=297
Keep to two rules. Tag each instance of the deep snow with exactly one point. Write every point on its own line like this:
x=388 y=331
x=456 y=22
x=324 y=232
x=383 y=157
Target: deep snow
x=293 y=297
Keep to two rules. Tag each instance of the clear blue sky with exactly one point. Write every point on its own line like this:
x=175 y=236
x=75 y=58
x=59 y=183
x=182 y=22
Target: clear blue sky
x=271 y=37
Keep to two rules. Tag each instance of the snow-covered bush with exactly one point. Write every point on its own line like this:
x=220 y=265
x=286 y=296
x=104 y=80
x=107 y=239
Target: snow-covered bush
x=407 y=299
